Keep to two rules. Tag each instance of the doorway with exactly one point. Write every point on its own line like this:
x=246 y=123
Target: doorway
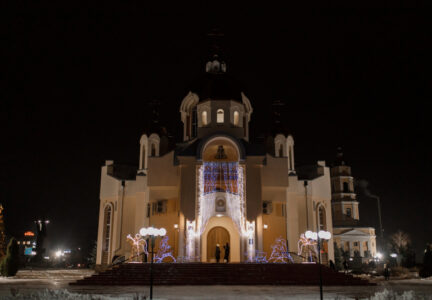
x=217 y=235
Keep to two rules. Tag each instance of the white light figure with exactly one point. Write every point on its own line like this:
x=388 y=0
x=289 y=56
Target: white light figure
x=280 y=252
x=139 y=246
x=307 y=245
x=164 y=251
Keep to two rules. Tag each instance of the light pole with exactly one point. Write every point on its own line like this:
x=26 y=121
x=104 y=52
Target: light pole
x=152 y=233
x=321 y=235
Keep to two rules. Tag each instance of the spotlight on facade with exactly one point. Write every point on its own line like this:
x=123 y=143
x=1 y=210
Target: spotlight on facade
x=219 y=215
x=58 y=253
x=175 y=226
x=379 y=255
x=265 y=226
x=394 y=255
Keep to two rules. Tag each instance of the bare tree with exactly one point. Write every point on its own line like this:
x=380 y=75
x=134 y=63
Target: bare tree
x=400 y=240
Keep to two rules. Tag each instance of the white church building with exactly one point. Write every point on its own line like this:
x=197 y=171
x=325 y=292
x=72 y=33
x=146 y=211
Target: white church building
x=214 y=186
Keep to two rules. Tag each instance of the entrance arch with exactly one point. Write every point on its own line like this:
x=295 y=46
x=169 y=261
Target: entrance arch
x=216 y=235
x=234 y=238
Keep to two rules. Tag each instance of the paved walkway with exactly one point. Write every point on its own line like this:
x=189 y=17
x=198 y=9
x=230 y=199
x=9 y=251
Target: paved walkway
x=53 y=284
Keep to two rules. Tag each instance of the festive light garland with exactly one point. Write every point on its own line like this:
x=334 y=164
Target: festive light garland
x=190 y=240
x=164 y=251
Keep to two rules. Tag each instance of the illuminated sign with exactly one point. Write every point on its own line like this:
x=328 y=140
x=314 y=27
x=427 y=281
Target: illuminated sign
x=29 y=233
x=28 y=251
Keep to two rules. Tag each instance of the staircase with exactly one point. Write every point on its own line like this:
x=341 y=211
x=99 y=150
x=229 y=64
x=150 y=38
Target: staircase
x=221 y=274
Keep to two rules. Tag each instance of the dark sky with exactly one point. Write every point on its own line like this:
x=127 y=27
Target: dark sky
x=78 y=84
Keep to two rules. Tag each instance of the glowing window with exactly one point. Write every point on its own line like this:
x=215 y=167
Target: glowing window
x=220 y=116
x=236 y=118
x=204 y=117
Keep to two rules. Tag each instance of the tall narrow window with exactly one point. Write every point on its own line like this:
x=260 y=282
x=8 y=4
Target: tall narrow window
x=236 y=118
x=220 y=116
x=204 y=118
x=322 y=218
x=345 y=187
x=348 y=212
x=281 y=151
x=107 y=229
x=291 y=167
x=153 y=150
x=143 y=157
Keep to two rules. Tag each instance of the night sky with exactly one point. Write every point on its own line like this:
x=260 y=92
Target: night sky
x=77 y=87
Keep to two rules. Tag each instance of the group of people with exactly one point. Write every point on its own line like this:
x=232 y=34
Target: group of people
x=226 y=254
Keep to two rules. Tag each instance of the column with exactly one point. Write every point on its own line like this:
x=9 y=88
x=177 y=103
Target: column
x=351 y=250
x=361 y=248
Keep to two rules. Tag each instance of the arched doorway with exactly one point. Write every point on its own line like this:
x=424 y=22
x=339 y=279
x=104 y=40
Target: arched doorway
x=217 y=235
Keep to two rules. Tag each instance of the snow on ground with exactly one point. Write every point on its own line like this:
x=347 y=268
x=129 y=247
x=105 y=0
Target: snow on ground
x=53 y=284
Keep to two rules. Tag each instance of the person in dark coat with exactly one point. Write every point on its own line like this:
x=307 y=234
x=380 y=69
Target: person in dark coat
x=217 y=253
x=332 y=265
x=345 y=265
x=386 y=272
x=227 y=252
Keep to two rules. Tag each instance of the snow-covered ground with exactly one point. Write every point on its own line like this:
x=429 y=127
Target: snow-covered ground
x=53 y=284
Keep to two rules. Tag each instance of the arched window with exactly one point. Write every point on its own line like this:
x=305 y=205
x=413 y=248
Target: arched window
x=107 y=227
x=236 y=118
x=153 y=150
x=204 y=117
x=322 y=218
x=220 y=116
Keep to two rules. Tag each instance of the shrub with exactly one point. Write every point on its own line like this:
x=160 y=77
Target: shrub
x=9 y=264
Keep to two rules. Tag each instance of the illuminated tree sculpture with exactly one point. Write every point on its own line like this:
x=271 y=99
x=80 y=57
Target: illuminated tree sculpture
x=280 y=252
x=139 y=246
x=307 y=246
x=164 y=251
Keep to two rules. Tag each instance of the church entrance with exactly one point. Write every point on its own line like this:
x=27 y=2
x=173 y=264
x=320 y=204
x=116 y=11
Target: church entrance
x=217 y=235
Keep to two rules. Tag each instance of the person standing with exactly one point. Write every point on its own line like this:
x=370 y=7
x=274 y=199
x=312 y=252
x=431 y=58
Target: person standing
x=345 y=265
x=217 y=253
x=227 y=252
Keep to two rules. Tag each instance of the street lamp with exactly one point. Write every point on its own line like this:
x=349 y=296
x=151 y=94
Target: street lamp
x=321 y=235
x=153 y=233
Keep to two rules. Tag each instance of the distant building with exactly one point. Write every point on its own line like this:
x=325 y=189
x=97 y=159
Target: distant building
x=349 y=233
x=27 y=245
x=214 y=186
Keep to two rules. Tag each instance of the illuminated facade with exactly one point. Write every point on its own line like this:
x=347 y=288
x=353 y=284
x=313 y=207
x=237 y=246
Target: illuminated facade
x=214 y=187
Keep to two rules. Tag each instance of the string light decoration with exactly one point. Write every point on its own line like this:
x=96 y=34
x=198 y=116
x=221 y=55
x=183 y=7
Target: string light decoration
x=164 y=251
x=190 y=240
x=250 y=235
x=139 y=246
x=280 y=252
x=307 y=246
x=227 y=177
x=259 y=257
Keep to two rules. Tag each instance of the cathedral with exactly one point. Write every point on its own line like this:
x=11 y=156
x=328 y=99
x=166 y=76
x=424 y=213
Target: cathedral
x=216 y=187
